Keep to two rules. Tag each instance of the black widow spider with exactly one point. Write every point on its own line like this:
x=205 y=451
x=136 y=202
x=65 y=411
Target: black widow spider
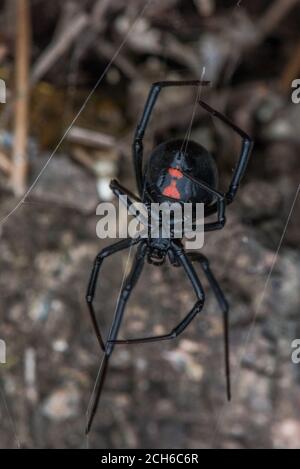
x=178 y=170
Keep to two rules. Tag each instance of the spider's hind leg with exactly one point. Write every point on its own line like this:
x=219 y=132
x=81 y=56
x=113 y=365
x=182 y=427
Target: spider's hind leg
x=224 y=308
x=174 y=261
x=184 y=261
x=126 y=290
x=91 y=289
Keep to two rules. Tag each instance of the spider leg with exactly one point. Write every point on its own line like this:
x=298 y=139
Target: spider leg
x=193 y=277
x=142 y=125
x=172 y=335
x=221 y=204
x=133 y=203
x=107 y=251
x=120 y=191
x=247 y=145
x=224 y=308
x=126 y=290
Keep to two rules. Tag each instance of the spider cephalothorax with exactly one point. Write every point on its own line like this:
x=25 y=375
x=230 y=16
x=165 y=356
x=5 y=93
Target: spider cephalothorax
x=157 y=251
x=179 y=171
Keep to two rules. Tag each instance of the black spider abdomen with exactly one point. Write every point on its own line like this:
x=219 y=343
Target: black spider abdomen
x=163 y=171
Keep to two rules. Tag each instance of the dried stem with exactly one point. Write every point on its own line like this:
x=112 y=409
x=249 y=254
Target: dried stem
x=59 y=47
x=91 y=138
x=291 y=70
x=275 y=13
x=19 y=173
x=6 y=165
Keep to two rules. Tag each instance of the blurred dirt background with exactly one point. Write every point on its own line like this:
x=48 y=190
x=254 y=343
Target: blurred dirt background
x=169 y=395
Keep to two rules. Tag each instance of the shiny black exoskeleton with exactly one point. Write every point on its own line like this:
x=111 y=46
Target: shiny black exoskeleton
x=177 y=171
x=164 y=178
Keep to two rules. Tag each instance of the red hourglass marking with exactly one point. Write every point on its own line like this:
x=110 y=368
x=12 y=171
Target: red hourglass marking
x=171 y=190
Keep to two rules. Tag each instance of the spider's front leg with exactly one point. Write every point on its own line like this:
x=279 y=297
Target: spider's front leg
x=243 y=159
x=137 y=146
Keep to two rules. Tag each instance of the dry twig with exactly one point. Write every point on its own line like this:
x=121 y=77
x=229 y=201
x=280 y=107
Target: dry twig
x=22 y=97
x=291 y=70
x=6 y=165
x=91 y=138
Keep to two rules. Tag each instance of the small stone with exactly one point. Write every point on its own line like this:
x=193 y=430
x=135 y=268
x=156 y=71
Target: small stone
x=40 y=308
x=62 y=404
x=60 y=345
x=189 y=346
x=286 y=434
x=183 y=361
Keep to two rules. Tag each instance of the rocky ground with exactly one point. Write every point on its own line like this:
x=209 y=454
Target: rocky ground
x=172 y=394
x=157 y=395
